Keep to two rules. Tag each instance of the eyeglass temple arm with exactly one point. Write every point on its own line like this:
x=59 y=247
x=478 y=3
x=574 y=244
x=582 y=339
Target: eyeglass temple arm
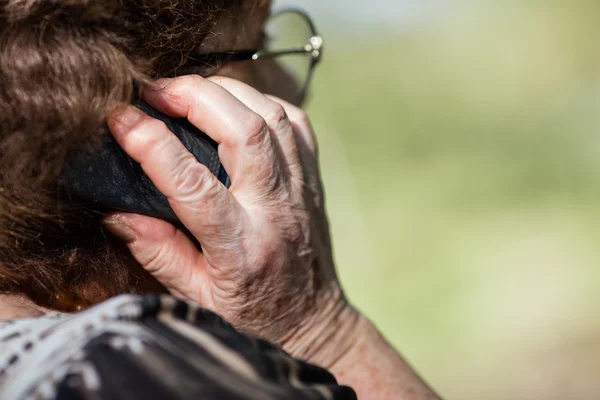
x=313 y=48
x=238 y=55
x=275 y=53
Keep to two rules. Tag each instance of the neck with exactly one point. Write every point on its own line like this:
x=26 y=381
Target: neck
x=15 y=306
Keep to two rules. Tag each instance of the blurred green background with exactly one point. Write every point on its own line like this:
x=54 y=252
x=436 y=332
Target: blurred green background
x=460 y=148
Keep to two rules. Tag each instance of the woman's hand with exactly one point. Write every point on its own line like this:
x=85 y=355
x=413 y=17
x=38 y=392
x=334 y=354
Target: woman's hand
x=266 y=264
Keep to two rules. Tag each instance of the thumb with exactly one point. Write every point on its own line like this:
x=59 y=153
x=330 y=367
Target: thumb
x=165 y=252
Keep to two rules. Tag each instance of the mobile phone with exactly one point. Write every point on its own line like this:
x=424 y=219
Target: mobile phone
x=108 y=179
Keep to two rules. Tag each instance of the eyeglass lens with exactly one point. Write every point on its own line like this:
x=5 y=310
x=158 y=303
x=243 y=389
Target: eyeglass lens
x=290 y=30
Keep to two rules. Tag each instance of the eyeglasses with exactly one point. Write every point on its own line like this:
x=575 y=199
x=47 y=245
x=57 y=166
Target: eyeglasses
x=292 y=42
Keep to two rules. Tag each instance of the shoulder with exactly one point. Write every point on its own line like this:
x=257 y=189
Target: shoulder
x=150 y=347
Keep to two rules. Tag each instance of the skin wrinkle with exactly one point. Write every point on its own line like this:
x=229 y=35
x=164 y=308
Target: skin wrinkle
x=271 y=292
x=70 y=63
x=261 y=285
x=278 y=124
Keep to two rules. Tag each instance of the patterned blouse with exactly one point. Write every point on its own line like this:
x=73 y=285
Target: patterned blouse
x=149 y=347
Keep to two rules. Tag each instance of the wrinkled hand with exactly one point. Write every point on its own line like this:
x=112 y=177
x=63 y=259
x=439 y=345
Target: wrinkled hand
x=266 y=264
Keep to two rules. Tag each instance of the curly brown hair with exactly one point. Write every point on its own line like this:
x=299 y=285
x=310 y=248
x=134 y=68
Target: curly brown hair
x=64 y=66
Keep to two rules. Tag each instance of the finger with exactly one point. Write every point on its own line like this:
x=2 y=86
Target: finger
x=201 y=202
x=307 y=147
x=165 y=252
x=245 y=145
x=301 y=123
x=275 y=116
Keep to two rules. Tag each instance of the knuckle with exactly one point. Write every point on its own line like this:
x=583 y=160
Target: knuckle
x=276 y=115
x=182 y=87
x=298 y=115
x=254 y=130
x=157 y=257
x=190 y=177
x=149 y=133
x=187 y=81
x=155 y=125
x=302 y=117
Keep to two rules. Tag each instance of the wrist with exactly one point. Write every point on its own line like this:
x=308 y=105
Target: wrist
x=329 y=334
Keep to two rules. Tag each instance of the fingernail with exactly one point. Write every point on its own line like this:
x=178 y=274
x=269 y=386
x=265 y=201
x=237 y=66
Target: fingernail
x=127 y=116
x=119 y=229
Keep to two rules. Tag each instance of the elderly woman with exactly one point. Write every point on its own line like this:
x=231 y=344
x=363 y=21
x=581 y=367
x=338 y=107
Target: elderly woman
x=253 y=248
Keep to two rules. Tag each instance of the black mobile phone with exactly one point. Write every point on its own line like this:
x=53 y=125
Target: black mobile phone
x=109 y=179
